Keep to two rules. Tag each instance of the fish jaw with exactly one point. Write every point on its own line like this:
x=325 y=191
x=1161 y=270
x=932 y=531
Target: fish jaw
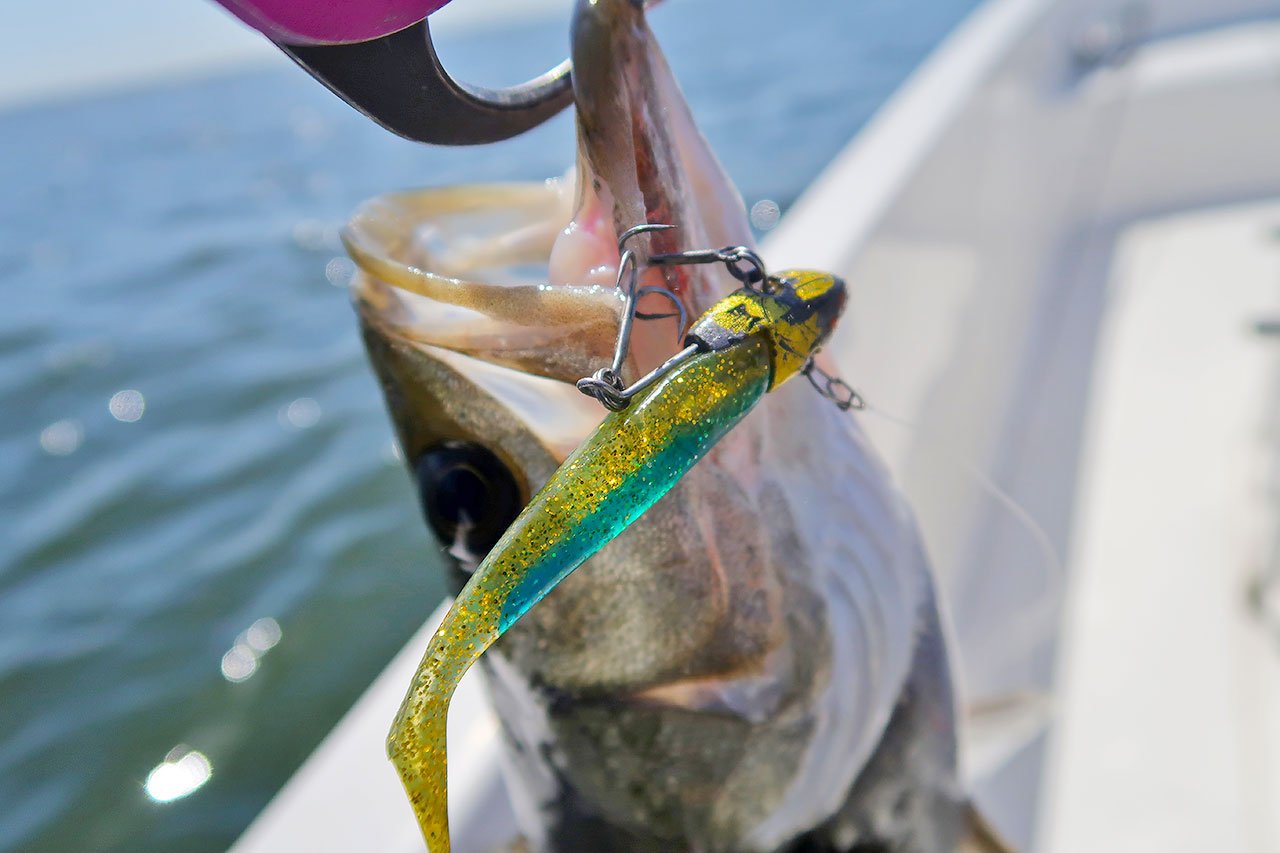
x=464 y=269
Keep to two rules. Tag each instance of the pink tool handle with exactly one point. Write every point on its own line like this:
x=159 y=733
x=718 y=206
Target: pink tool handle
x=329 y=21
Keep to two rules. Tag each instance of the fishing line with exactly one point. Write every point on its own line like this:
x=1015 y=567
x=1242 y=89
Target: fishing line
x=1032 y=625
x=1089 y=191
x=1092 y=169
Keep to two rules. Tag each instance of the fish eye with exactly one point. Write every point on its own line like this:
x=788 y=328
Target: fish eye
x=469 y=498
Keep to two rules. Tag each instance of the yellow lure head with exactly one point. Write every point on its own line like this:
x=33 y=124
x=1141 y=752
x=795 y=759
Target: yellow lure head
x=794 y=310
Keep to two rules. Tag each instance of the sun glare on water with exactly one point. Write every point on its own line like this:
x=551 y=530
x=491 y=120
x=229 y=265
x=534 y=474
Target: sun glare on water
x=183 y=771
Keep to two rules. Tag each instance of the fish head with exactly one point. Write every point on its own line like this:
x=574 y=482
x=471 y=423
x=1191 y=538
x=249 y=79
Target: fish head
x=478 y=356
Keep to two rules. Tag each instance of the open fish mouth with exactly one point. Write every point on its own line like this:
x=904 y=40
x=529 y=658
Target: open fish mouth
x=466 y=269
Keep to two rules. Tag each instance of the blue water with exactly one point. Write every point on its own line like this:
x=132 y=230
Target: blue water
x=173 y=243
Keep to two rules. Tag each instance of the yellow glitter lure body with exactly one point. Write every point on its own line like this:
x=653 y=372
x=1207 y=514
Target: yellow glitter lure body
x=747 y=344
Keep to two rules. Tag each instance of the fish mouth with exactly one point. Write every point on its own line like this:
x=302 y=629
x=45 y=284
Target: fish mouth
x=466 y=269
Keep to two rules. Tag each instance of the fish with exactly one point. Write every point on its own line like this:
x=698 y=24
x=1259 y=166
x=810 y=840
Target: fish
x=759 y=661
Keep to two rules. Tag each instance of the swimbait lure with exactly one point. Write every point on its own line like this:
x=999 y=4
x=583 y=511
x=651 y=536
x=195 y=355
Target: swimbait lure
x=747 y=344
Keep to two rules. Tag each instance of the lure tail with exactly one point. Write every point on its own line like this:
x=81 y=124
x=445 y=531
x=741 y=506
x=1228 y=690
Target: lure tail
x=416 y=744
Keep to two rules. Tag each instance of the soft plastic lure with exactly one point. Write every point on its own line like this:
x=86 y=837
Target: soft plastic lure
x=746 y=345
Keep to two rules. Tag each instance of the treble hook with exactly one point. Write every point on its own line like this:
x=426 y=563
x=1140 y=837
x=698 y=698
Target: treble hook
x=606 y=384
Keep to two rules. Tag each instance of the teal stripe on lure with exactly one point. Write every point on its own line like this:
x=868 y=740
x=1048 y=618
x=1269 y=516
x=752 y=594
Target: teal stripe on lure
x=679 y=447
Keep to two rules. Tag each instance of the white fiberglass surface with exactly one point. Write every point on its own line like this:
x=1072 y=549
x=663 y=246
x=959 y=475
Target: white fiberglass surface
x=1169 y=711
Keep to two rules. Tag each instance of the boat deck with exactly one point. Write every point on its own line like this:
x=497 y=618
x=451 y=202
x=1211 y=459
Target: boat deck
x=1169 y=711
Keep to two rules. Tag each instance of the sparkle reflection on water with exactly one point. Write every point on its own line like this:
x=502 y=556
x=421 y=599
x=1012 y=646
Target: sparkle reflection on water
x=191 y=440
x=62 y=438
x=181 y=773
x=241 y=661
x=127 y=406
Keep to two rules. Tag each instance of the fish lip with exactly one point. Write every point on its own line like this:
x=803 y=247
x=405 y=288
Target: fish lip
x=431 y=270
x=385 y=237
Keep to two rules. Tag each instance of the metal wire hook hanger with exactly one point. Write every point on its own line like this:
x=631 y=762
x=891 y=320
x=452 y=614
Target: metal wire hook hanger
x=753 y=275
x=606 y=384
x=833 y=388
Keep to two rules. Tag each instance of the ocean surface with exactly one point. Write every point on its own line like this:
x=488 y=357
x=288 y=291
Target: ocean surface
x=207 y=546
